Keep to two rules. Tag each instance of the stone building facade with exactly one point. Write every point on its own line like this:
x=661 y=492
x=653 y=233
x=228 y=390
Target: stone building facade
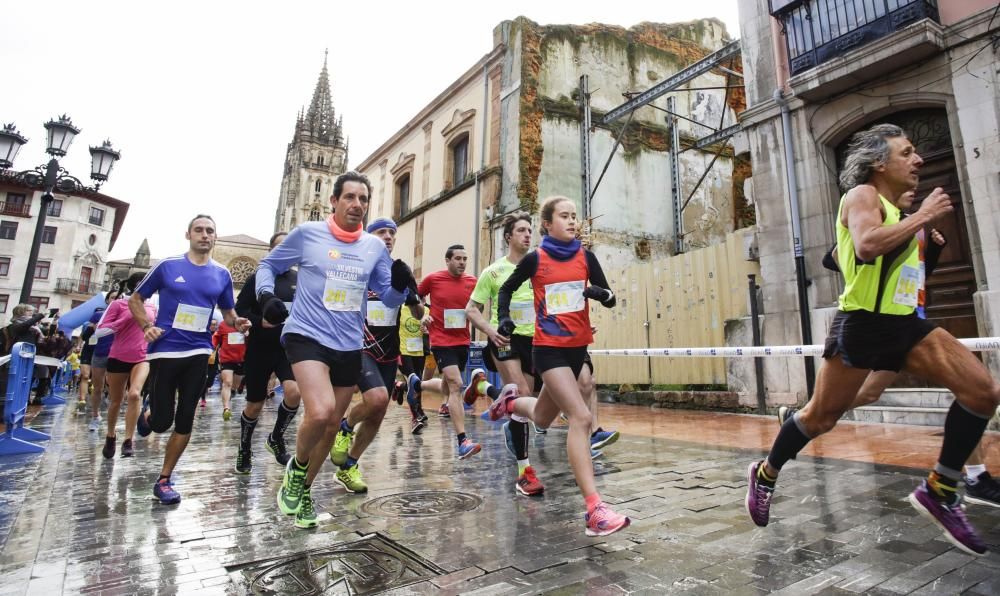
x=121 y=269
x=506 y=135
x=315 y=157
x=240 y=254
x=928 y=67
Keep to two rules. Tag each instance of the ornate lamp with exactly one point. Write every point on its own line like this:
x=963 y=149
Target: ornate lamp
x=10 y=143
x=102 y=159
x=61 y=134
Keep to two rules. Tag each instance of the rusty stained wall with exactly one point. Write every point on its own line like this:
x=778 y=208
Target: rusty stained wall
x=633 y=201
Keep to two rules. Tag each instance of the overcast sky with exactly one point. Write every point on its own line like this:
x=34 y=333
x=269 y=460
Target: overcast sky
x=201 y=97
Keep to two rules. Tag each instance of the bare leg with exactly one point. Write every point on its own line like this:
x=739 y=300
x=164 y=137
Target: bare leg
x=136 y=380
x=116 y=393
x=226 y=376
x=98 y=375
x=453 y=389
x=175 y=447
x=874 y=386
x=368 y=414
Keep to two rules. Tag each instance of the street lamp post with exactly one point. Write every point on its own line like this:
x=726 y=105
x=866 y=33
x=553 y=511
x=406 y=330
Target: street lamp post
x=61 y=133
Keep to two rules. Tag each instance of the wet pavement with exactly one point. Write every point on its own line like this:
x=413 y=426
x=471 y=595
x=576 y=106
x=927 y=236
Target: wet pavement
x=72 y=522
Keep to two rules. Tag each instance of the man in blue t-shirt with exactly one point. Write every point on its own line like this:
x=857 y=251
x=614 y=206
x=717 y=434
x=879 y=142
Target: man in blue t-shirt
x=190 y=286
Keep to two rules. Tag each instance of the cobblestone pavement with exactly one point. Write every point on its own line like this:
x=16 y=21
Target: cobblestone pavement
x=72 y=522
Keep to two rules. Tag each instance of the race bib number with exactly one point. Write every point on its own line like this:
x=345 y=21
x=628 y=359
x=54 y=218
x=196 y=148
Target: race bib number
x=522 y=313
x=235 y=338
x=380 y=315
x=191 y=318
x=907 y=286
x=565 y=297
x=341 y=295
x=415 y=345
x=92 y=341
x=454 y=318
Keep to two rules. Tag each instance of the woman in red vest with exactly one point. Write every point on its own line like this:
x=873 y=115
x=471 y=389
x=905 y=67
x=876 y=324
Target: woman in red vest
x=564 y=276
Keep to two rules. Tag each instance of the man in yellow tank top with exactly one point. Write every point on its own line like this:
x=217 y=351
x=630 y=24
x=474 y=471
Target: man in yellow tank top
x=877 y=329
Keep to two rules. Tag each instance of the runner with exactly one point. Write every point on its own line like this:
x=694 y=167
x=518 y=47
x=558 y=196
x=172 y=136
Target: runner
x=190 y=286
x=378 y=374
x=511 y=357
x=877 y=328
x=338 y=262
x=74 y=366
x=213 y=364
x=411 y=362
x=449 y=290
x=126 y=365
x=98 y=362
x=560 y=270
x=265 y=357
x=232 y=351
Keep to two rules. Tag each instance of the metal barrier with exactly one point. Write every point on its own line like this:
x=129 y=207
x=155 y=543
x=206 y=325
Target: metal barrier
x=17 y=439
x=58 y=382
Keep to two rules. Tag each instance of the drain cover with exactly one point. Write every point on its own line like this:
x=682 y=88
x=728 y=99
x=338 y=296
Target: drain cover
x=422 y=503
x=370 y=565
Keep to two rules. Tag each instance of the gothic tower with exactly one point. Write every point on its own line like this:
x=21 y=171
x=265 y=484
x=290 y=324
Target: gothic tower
x=314 y=159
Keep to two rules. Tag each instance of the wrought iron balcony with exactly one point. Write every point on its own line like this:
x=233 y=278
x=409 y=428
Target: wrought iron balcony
x=819 y=30
x=68 y=285
x=16 y=209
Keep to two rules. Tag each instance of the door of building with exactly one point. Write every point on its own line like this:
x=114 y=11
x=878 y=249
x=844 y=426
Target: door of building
x=85 y=274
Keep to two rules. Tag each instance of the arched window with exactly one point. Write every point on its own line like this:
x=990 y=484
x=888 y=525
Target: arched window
x=319 y=160
x=314 y=214
x=319 y=185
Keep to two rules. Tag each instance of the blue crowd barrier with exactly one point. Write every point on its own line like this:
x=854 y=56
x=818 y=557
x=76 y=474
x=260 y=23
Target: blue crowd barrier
x=17 y=439
x=57 y=384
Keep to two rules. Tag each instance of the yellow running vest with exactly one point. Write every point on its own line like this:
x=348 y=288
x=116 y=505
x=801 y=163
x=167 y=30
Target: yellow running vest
x=887 y=285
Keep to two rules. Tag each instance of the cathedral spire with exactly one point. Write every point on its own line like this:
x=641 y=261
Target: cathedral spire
x=320 y=118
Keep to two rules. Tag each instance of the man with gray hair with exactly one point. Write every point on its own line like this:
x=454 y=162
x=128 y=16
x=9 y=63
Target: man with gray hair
x=877 y=328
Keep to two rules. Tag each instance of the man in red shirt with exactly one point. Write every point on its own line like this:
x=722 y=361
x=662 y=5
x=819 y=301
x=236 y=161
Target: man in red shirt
x=232 y=352
x=449 y=291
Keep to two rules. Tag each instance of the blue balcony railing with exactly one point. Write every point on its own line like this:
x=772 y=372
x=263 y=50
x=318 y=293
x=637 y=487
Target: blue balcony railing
x=819 y=30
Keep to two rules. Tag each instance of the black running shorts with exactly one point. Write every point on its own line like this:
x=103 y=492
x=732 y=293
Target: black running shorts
x=451 y=356
x=875 y=341
x=547 y=358
x=519 y=348
x=116 y=366
x=261 y=362
x=376 y=374
x=175 y=385
x=345 y=366
x=236 y=367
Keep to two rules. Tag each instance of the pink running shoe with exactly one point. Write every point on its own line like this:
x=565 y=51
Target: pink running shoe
x=604 y=521
x=500 y=408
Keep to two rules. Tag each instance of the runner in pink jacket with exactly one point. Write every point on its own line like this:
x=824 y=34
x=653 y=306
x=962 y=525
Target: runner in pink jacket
x=126 y=365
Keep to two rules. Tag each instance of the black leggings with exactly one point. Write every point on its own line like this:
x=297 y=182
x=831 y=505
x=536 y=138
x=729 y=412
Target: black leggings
x=175 y=386
x=412 y=365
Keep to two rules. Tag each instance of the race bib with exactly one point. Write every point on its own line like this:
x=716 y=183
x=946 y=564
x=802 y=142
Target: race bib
x=907 y=286
x=342 y=295
x=380 y=315
x=522 y=313
x=415 y=345
x=235 y=338
x=191 y=318
x=454 y=318
x=92 y=341
x=565 y=297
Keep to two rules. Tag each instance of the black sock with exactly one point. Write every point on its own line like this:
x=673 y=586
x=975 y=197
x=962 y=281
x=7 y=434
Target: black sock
x=519 y=436
x=247 y=425
x=461 y=437
x=285 y=416
x=962 y=432
x=493 y=392
x=788 y=443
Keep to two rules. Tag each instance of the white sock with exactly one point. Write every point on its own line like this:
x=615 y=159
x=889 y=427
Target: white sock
x=973 y=472
x=523 y=463
x=517 y=418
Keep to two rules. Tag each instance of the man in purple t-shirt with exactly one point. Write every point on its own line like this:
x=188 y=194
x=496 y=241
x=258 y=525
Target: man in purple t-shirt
x=190 y=287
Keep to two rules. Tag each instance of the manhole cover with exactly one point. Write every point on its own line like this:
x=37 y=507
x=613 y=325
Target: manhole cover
x=367 y=566
x=422 y=503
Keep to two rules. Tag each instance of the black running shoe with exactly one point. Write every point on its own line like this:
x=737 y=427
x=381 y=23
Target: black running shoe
x=986 y=490
x=243 y=461
x=277 y=449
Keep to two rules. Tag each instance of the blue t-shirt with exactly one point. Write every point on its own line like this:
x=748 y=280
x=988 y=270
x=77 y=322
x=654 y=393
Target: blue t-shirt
x=103 y=346
x=331 y=294
x=188 y=296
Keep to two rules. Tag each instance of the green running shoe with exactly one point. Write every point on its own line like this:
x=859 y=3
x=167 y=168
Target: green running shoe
x=305 y=517
x=351 y=479
x=292 y=487
x=341 y=445
x=244 y=461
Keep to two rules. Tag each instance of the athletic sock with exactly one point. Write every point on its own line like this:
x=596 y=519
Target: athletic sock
x=461 y=437
x=521 y=465
x=350 y=462
x=344 y=426
x=592 y=501
x=285 y=416
x=247 y=426
x=942 y=488
x=763 y=477
x=300 y=466
x=962 y=432
x=972 y=472
x=519 y=437
x=485 y=388
x=790 y=440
